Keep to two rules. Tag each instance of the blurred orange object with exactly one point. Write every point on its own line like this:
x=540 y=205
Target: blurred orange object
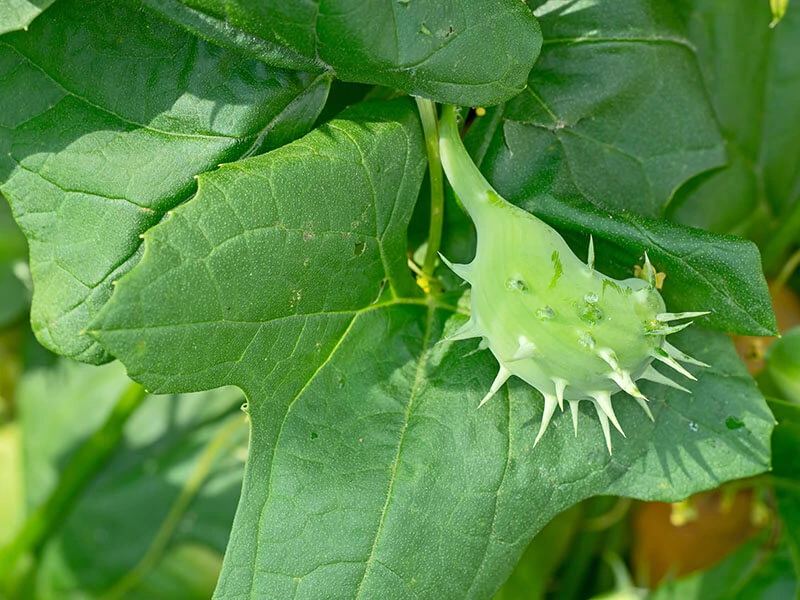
x=713 y=526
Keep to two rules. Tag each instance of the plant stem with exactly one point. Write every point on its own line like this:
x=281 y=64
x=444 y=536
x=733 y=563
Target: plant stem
x=782 y=239
x=84 y=465
x=198 y=477
x=786 y=272
x=430 y=126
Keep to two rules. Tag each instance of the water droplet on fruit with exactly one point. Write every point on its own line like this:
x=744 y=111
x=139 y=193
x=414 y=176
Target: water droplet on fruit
x=591 y=314
x=515 y=283
x=587 y=340
x=546 y=313
x=590 y=298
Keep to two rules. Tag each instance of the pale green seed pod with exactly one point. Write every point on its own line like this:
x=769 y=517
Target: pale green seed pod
x=553 y=321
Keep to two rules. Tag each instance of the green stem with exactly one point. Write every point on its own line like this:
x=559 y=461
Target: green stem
x=469 y=184
x=199 y=475
x=786 y=272
x=430 y=126
x=80 y=471
x=787 y=234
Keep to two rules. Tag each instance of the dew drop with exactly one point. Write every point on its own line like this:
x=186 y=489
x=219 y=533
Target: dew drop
x=546 y=313
x=694 y=426
x=340 y=382
x=590 y=298
x=591 y=314
x=515 y=283
x=587 y=340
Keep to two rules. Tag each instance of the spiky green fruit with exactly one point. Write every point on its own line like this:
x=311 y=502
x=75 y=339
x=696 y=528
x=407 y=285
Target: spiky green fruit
x=553 y=321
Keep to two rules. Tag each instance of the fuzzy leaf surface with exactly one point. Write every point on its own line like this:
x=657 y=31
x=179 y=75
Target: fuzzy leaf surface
x=163 y=452
x=469 y=52
x=371 y=472
x=613 y=121
x=108 y=114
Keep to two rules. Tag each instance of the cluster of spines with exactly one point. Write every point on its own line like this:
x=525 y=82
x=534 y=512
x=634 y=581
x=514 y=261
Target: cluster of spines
x=665 y=353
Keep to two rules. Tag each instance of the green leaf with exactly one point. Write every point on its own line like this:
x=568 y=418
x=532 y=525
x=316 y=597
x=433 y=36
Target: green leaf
x=108 y=114
x=163 y=497
x=754 y=88
x=600 y=141
x=13 y=267
x=785 y=445
x=299 y=272
x=614 y=111
x=18 y=14
x=469 y=52
x=371 y=472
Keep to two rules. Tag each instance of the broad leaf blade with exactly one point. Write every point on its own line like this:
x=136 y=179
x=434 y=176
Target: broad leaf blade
x=390 y=483
x=470 y=52
x=109 y=113
x=614 y=110
x=226 y=35
x=316 y=231
x=136 y=507
x=754 y=88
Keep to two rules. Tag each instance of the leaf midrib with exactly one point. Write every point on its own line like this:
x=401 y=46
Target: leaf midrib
x=415 y=387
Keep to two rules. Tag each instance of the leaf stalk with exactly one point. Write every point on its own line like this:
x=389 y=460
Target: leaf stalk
x=430 y=127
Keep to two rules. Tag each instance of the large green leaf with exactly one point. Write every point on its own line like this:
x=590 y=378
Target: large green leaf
x=613 y=121
x=371 y=472
x=108 y=114
x=470 y=52
x=168 y=493
x=754 y=88
x=18 y=14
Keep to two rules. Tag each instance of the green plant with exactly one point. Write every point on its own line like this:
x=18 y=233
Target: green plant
x=200 y=206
